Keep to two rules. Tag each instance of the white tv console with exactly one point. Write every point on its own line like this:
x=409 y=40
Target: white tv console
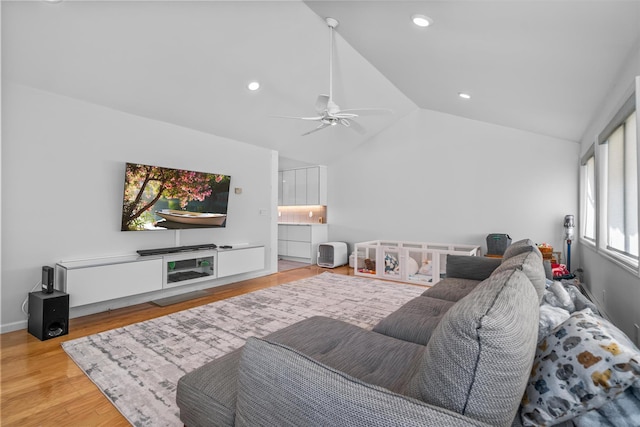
x=97 y=280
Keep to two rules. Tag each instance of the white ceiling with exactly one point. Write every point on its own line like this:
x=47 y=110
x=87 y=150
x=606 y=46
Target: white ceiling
x=541 y=66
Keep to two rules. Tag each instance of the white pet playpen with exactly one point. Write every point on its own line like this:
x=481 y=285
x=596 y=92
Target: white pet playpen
x=413 y=262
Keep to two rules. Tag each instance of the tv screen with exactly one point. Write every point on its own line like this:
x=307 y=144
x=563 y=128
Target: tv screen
x=158 y=198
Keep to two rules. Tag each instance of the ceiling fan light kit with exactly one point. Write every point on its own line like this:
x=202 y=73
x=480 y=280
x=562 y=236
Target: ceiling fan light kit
x=329 y=113
x=421 y=20
x=331 y=22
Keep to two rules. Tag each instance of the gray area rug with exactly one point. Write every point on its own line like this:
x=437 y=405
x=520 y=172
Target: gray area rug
x=138 y=366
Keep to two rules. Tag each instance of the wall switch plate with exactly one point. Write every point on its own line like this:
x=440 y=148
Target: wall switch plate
x=263 y=212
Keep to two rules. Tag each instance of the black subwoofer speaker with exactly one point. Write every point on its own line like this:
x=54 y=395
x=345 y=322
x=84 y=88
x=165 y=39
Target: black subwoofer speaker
x=48 y=314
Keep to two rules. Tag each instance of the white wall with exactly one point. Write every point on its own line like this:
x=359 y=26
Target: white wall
x=440 y=178
x=62 y=186
x=616 y=290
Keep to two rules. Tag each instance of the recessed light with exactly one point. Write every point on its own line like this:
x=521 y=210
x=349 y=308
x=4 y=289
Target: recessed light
x=421 y=20
x=253 y=86
x=464 y=95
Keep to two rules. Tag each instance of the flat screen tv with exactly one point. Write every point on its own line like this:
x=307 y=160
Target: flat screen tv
x=159 y=198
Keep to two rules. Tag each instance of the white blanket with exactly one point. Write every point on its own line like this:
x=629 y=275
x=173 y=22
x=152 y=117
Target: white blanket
x=559 y=301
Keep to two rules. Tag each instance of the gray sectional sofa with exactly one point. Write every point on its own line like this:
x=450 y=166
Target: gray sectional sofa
x=461 y=354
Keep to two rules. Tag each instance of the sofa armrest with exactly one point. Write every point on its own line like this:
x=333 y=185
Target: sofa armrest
x=471 y=267
x=280 y=386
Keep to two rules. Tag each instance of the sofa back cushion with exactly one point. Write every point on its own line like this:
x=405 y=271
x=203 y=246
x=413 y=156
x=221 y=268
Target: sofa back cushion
x=471 y=267
x=415 y=320
x=451 y=288
x=479 y=358
x=531 y=265
x=521 y=246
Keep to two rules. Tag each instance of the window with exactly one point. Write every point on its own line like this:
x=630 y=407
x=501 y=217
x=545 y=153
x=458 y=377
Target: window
x=589 y=195
x=620 y=183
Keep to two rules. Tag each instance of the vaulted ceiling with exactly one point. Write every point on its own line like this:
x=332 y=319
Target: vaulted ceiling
x=540 y=66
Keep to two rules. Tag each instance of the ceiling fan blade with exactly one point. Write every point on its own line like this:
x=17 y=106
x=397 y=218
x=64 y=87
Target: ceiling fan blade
x=322 y=126
x=343 y=115
x=299 y=118
x=367 y=111
x=329 y=112
x=355 y=126
x=321 y=103
x=332 y=108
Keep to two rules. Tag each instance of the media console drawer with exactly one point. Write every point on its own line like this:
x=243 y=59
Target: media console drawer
x=91 y=284
x=241 y=260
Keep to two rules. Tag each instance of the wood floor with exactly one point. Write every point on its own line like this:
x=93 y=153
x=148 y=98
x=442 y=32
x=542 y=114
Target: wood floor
x=41 y=386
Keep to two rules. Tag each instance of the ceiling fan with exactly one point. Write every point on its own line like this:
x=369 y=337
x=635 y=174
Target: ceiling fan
x=329 y=113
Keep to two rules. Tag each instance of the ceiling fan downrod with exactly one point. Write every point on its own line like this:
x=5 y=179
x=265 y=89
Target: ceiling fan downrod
x=332 y=23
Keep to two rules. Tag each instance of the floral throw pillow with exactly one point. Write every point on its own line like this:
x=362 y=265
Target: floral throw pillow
x=582 y=364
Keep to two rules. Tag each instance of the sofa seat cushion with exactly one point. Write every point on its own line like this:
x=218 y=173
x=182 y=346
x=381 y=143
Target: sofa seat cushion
x=415 y=320
x=471 y=267
x=369 y=356
x=479 y=358
x=451 y=289
x=207 y=395
x=531 y=265
x=279 y=386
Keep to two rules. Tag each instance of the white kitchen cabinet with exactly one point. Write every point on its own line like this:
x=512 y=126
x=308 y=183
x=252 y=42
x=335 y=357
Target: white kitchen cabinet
x=313 y=186
x=280 y=188
x=303 y=186
x=288 y=187
x=299 y=242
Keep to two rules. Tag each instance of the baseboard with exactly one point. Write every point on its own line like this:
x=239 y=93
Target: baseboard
x=14 y=326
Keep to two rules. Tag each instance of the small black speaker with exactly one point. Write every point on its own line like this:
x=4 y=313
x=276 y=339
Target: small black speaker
x=47 y=279
x=48 y=314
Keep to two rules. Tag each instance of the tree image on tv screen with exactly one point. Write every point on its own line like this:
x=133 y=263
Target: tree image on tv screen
x=179 y=190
